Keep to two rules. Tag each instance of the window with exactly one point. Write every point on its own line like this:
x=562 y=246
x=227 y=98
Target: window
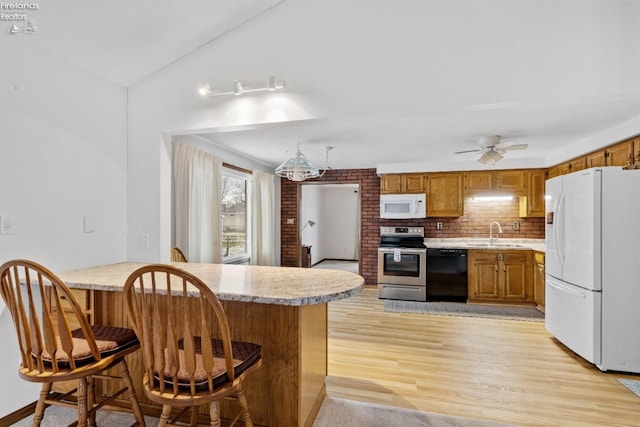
x=235 y=241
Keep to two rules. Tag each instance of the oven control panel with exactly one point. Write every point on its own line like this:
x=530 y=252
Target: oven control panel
x=402 y=231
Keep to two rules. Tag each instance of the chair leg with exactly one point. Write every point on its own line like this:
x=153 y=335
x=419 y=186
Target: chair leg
x=91 y=399
x=245 y=416
x=82 y=402
x=193 y=419
x=164 y=417
x=40 y=406
x=214 y=413
x=131 y=394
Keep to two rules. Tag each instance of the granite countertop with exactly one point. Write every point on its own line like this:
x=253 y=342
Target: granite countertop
x=482 y=243
x=258 y=284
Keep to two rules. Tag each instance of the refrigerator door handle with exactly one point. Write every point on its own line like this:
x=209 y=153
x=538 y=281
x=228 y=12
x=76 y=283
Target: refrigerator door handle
x=567 y=290
x=560 y=232
x=556 y=228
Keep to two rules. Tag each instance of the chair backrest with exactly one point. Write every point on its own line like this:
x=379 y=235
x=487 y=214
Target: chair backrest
x=176 y=332
x=47 y=317
x=177 y=255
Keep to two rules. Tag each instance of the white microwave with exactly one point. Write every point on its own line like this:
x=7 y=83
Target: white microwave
x=400 y=206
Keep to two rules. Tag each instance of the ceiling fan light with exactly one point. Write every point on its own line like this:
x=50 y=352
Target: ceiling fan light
x=490 y=157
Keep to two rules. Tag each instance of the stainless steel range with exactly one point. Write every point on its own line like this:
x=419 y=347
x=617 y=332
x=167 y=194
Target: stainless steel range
x=402 y=264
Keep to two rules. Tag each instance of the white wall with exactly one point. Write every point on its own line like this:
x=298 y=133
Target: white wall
x=62 y=157
x=340 y=222
x=335 y=208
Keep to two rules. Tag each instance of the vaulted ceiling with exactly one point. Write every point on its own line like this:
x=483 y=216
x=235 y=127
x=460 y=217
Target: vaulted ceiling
x=394 y=84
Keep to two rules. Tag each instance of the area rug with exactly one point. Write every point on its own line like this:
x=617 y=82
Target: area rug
x=334 y=412
x=633 y=385
x=467 y=310
x=348 y=413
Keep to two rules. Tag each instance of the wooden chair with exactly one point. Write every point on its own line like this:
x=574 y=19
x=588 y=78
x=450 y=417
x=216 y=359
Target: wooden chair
x=177 y=255
x=57 y=343
x=189 y=357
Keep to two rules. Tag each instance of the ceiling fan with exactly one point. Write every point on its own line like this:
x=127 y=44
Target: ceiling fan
x=493 y=149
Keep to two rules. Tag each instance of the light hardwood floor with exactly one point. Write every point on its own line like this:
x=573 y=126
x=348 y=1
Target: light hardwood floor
x=501 y=370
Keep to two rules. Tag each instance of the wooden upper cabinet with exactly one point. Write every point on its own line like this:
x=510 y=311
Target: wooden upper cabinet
x=597 y=158
x=390 y=184
x=513 y=180
x=578 y=164
x=533 y=204
x=636 y=149
x=413 y=183
x=478 y=181
x=620 y=154
x=402 y=183
x=444 y=194
x=503 y=180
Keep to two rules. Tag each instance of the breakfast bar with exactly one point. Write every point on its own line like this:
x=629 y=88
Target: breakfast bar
x=284 y=309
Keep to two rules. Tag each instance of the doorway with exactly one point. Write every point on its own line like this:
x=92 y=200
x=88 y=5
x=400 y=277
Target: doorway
x=329 y=220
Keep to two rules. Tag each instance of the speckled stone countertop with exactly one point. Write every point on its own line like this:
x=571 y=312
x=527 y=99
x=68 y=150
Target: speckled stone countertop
x=258 y=284
x=482 y=243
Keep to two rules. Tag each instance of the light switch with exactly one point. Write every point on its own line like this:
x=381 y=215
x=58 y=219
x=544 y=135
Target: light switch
x=89 y=224
x=7 y=224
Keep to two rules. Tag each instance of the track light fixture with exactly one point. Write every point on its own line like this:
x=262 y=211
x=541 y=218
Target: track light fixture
x=240 y=88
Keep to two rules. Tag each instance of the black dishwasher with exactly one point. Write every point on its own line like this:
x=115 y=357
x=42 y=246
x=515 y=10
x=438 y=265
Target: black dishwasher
x=447 y=275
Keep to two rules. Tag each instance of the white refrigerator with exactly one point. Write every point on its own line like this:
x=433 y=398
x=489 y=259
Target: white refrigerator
x=592 y=264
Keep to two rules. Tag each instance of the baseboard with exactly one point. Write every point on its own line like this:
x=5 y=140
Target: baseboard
x=333 y=259
x=18 y=415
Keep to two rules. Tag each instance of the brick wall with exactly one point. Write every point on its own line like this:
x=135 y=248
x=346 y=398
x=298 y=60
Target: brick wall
x=474 y=223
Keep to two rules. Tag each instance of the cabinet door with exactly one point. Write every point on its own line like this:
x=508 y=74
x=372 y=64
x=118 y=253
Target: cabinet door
x=511 y=180
x=478 y=181
x=538 y=279
x=532 y=205
x=636 y=149
x=444 y=194
x=578 y=164
x=620 y=154
x=413 y=183
x=517 y=276
x=564 y=168
x=599 y=158
x=391 y=184
x=483 y=275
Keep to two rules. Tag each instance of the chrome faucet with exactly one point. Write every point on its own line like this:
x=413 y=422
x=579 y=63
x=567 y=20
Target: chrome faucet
x=491 y=231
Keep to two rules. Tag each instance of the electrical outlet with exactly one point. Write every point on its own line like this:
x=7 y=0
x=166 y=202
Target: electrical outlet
x=439 y=225
x=516 y=226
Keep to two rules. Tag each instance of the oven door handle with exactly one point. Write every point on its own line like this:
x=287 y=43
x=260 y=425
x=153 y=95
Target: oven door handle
x=403 y=250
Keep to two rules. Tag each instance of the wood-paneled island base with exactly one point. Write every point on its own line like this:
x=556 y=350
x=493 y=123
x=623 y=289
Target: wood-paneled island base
x=284 y=309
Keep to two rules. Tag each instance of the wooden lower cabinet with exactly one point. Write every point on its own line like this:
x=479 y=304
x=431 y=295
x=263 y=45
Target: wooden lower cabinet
x=538 y=279
x=287 y=390
x=497 y=276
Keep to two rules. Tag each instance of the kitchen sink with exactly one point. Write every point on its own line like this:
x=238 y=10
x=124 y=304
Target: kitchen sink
x=495 y=245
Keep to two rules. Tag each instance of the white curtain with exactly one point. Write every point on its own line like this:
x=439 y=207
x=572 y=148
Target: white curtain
x=263 y=219
x=197 y=178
